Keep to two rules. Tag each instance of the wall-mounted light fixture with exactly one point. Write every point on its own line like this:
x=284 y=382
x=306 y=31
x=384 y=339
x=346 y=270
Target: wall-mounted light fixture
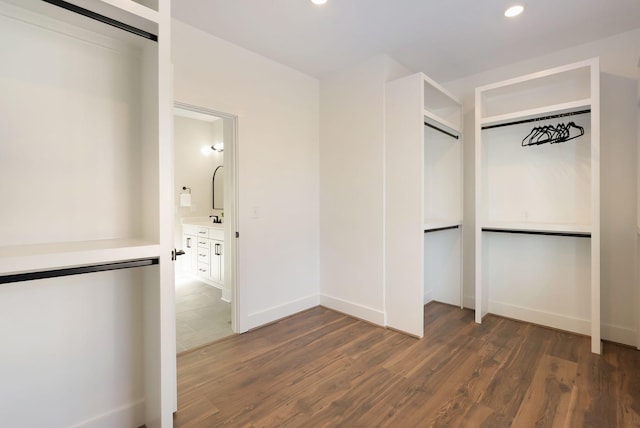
x=218 y=147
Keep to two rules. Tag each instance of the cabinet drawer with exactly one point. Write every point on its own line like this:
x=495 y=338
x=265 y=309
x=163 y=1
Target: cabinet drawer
x=203 y=269
x=216 y=234
x=202 y=242
x=190 y=229
x=203 y=232
x=203 y=255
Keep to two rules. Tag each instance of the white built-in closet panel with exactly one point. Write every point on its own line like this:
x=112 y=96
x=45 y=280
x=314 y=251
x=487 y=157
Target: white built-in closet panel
x=442 y=267
x=548 y=183
x=70 y=132
x=540 y=279
x=442 y=177
x=534 y=92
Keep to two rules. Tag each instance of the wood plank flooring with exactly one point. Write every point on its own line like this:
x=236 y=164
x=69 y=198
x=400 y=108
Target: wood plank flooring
x=320 y=368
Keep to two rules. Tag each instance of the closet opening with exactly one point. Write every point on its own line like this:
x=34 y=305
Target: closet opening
x=205 y=219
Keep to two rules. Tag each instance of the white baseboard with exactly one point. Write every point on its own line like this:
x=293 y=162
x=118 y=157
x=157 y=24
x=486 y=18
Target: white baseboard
x=562 y=322
x=428 y=296
x=226 y=295
x=275 y=313
x=131 y=415
x=615 y=333
x=469 y=302
x=356 y=310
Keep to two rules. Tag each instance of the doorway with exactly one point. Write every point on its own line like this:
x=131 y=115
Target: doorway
x=205 y=219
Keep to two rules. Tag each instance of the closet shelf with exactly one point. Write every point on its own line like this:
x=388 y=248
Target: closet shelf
x=434 y=119
x=29 y=258
x=562 y=108
x=552 y=228
x=441 y=224
x=135 y=8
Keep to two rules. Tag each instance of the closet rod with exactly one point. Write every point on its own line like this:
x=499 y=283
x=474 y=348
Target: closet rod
x=101 y=18
x=535 y=232
x=442 y=228
x=535 y=119
x=442 y=130
x=30 y=276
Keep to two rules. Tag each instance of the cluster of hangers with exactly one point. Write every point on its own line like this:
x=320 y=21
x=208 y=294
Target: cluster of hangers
x=549 y=134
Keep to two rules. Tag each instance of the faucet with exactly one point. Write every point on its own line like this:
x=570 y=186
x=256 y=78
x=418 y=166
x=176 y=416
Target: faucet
x=215 y=218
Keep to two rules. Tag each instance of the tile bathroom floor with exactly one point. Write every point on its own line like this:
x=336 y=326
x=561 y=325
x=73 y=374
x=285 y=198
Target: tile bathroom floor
x=201 y=317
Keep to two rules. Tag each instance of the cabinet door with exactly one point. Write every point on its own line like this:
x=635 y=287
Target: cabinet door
x=216 y=261
x=189 y=262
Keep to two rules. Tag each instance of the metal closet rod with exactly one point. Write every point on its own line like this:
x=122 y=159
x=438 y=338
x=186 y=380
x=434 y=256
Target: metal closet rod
x=442 y=228
x=30 y=276
x=535 y=119
x=104 y=19
x=534 y=232
x=442 y=130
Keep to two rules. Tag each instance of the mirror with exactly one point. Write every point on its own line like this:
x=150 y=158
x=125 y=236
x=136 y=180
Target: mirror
x=218 y=188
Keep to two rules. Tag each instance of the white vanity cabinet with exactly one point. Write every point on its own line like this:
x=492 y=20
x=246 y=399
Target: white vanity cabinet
x=216 y=251
x=203 y=247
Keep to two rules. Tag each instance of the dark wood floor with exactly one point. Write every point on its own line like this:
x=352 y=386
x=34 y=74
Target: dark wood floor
x=323 y=369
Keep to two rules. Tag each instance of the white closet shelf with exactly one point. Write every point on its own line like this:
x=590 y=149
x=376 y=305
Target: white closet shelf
x=562 y=108
x=135 y=8
x=28 y=258
x=441 y=224
x=434 y=119
x=574 y=229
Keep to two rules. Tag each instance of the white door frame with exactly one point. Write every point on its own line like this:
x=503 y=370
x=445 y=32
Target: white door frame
x=231 y=192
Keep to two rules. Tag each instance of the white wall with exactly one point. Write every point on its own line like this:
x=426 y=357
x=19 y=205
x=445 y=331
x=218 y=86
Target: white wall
x=277 y=109
x=193 y=168
x=618 y=56
x=351 y=187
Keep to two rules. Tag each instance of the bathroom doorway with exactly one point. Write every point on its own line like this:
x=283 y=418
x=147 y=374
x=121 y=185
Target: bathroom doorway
x=205 y=219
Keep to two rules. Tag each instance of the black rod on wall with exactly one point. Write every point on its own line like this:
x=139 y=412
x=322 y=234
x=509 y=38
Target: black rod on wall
x=441 y=228
x=535 y=119
x=104 y=19
x=442 y=130
x=538 y=232
x=31 y=276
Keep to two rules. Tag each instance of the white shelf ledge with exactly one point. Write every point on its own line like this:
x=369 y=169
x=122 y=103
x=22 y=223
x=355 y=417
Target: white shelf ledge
x=552 y=228
x=434 y=119
x=29 y=258
x=441 y=224
x=136 y=9
x=569 y=107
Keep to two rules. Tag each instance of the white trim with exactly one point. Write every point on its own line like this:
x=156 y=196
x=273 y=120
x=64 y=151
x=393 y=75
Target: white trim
x=562 y=108
x=432 y=117
x=356 y=310
x=428 y=296
x=469 y=302
x=135 y=8
x=581 y=229
x=130 y=415
x=619 y=334
x=438 y=224
x=539 y=74
x=275 y=313
x=549 y=319
x=429 y=81
x=230 y=290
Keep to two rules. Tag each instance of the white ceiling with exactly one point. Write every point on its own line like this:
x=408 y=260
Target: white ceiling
x=446 y=39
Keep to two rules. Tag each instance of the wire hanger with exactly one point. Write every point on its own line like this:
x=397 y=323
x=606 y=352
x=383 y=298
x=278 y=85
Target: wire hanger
x=549 y=134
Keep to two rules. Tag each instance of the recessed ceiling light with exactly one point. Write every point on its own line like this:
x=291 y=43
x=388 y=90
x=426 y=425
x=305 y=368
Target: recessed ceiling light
x=318 y=1
x=513 y=11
